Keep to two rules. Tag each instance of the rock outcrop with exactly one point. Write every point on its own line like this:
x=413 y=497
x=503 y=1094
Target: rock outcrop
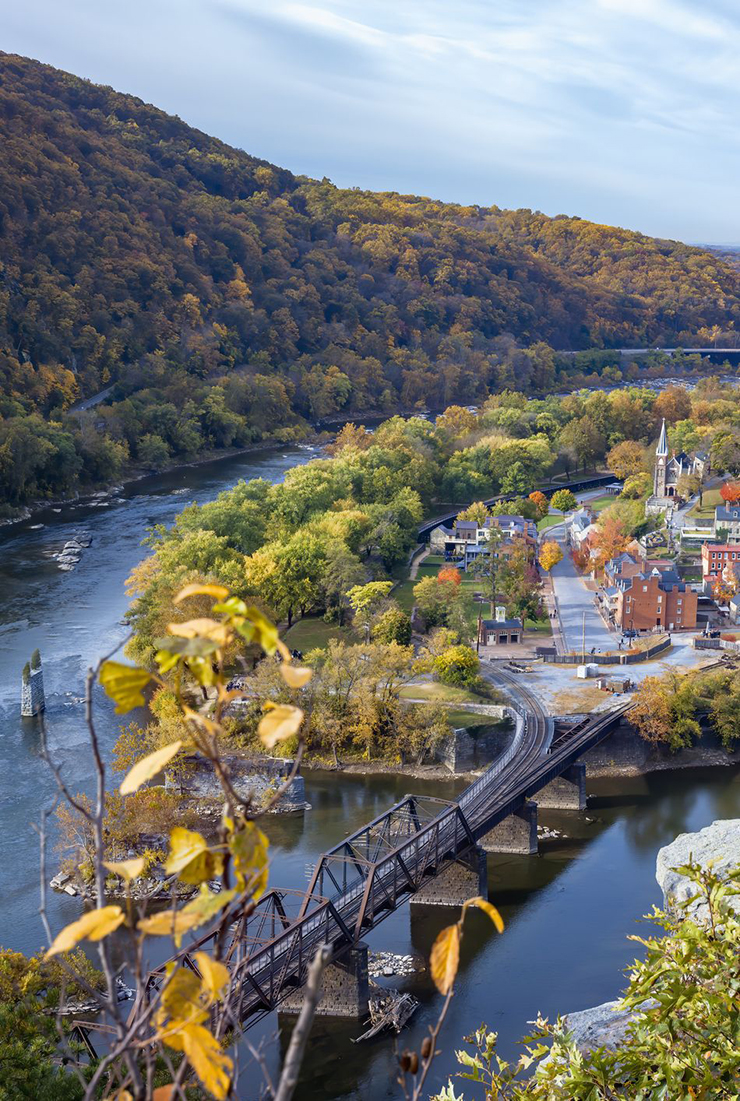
x=718 y=843
x=606 y=1025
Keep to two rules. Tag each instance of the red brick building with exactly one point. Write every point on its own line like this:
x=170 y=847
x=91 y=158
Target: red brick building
x=715 y=556
x=655 y=599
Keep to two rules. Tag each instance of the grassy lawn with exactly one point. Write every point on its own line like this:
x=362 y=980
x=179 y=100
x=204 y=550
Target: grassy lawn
x=711 y=499
x=433 y=692
x=311 y=633
x=404 y=594
x=600 y=503
x=539 y=626
x=469 y=719
x=550 y=521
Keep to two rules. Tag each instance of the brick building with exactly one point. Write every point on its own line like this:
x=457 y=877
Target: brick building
x=715 y=556
x=655 y=599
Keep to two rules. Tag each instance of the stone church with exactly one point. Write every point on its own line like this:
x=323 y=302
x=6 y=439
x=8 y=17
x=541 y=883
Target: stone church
x=668 y=472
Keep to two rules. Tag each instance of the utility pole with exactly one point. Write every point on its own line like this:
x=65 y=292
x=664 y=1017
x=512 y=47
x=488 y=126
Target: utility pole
x=583 y=641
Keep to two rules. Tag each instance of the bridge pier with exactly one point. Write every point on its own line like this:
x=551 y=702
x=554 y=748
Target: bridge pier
x=344 y=989
x=516 y=834
x=466 y=878
x=566 y=792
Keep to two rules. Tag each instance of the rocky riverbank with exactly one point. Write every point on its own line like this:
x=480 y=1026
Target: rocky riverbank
x=625 y=753
x=717 y=845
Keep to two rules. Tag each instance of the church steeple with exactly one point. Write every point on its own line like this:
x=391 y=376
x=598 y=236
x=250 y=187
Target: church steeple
x=662 y=449
x=661 y=457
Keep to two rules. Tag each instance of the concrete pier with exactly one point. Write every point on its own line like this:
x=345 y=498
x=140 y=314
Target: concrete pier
x=344 y=988
x=33 y=700
x=466 y=878
x=566 y=792
x=516 y=834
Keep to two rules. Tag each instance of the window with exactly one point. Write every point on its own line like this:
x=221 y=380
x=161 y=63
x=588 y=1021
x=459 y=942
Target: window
x=644 y=588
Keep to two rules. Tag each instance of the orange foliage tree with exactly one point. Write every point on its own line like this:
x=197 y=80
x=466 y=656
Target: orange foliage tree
x=610 y=540
x=730 y=492
x=540 y=502
x=449 y=573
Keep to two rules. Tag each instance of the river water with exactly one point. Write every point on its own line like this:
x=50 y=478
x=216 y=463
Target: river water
x=568 y=910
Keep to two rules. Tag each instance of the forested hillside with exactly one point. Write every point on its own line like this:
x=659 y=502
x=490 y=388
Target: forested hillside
x=222 y=298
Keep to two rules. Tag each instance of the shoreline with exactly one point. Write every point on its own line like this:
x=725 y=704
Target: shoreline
x=90 y=494
x=323 y=432
x=314 y=434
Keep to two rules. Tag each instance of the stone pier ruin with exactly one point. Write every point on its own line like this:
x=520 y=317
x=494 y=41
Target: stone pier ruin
x=33 y=701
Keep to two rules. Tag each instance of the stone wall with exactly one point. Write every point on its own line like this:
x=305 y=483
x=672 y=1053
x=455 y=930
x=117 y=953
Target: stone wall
x=473 y=748
x=625 y=753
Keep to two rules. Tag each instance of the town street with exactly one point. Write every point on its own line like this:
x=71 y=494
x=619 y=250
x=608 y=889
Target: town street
x=573 y=599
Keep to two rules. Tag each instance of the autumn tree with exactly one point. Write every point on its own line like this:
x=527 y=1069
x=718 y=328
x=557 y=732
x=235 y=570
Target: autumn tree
x=475 y=513
x=550 y=554
x=519 y=584
x=626 y=458
x=541 y=503
x=367 y=600
x=673 y=403
x=610 y=540
x=664 y=711
x=449 y=573
x=730 y=492
x=637 y=486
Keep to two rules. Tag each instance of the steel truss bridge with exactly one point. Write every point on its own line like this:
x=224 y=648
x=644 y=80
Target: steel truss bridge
x=369 y=874
x=375 y=870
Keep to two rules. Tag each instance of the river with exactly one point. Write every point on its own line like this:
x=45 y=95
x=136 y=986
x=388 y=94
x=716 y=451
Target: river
x=568 y=910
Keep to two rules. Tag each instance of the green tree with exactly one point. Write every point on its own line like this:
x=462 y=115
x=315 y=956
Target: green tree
x=563 y=501
x=459 y=666
x=392 y=625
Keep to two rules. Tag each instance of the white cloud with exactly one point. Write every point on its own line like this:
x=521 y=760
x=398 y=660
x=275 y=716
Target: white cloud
x=620 y=110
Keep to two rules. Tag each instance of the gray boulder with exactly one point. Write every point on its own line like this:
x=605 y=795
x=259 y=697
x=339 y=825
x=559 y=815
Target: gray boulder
x=603 y=1025
x=718 y=843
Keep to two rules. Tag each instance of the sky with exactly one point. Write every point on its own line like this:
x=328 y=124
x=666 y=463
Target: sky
x=620 y=111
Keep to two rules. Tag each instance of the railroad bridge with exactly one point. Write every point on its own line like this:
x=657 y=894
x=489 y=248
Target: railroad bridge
x=430 y=851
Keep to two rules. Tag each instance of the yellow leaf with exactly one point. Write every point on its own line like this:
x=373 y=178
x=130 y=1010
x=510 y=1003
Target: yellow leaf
x=249 y=852
x=218 y=592
x=147 y=767
x=181 y=1000
x=190 y=858
x=126 y=869
x=169 y=923
x=295 y=676
x=164 y=1093
x=281 y=722
x=91 y=926
x=215 y=977
x=201 y=628
x=206 y=904
x=484 y=905
x=124 y=684
x=445 y=958
x=208 y=1060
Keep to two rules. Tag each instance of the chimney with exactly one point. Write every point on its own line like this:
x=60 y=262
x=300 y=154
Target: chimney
x=500 y=613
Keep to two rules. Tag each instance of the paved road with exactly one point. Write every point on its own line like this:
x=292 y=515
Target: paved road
x=573 y=600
